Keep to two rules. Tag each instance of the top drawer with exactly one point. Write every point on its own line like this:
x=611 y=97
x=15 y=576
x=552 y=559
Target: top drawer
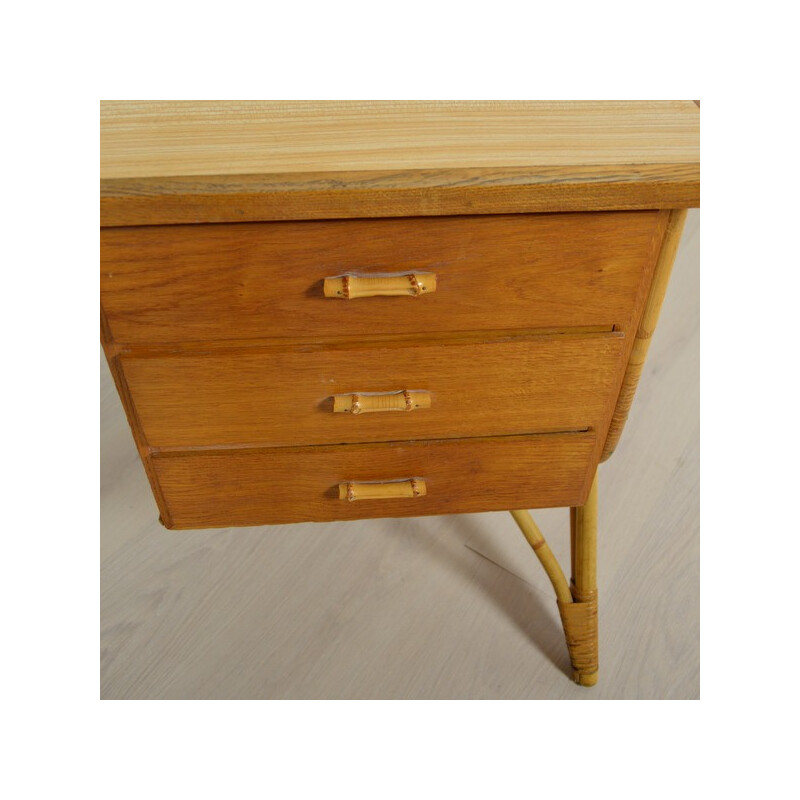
x=264 y=280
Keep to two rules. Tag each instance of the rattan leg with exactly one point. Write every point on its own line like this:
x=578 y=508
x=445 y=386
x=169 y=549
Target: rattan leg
x=577 y=601
x=580 y=616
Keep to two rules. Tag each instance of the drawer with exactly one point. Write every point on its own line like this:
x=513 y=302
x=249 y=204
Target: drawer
x=298 y=484
x=279 y=397
x=179 y=283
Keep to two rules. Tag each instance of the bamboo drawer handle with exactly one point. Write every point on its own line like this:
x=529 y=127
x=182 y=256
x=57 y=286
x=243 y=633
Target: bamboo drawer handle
x=349 y=287
x=369 y=402
x=371 y=490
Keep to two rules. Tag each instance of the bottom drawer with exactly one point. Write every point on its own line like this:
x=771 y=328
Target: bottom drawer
x=222 y=488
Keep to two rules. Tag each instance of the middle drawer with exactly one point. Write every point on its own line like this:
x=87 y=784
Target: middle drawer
x=280 y=397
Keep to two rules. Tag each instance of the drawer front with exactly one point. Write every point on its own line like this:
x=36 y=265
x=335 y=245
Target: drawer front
x=288 y=484
x=179 y=283
x=285 y=397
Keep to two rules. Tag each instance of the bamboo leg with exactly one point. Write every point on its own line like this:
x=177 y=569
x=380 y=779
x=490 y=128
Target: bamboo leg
x=580 y=616
x=577 y=602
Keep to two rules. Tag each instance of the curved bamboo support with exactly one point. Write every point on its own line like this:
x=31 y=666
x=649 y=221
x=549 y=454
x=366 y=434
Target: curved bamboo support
x=647 y=325
x=577 y=601
x=545 y=555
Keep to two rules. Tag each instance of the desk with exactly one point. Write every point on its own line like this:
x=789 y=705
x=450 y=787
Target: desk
x=550 y=255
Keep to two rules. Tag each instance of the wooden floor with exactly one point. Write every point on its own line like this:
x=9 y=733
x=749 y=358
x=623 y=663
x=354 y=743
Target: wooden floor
x=434 y=607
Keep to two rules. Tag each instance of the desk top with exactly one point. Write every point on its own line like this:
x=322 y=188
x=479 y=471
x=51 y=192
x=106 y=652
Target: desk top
x=166 y=162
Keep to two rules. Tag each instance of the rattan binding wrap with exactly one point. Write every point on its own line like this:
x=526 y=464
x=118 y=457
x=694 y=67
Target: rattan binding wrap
x=579 y=619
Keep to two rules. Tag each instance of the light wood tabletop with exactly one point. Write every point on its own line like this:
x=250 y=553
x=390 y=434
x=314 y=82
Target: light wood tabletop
x=163 y=139
x=212 y=161
x=527 y=332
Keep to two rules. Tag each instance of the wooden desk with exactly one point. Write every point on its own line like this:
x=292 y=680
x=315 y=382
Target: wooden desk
x=513 y=258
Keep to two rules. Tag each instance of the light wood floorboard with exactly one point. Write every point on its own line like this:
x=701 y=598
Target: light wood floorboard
x=436 y=607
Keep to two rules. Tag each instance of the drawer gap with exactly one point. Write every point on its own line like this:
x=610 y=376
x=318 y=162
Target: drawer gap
x=258 y=446
x=312 y=344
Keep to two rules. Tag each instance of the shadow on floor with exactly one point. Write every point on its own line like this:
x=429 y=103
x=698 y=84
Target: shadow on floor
x=518 y=600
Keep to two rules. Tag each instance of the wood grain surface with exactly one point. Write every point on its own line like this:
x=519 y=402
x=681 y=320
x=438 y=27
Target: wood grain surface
x=208 y=161
x=298 y=484
x=200 y=488
x=218 y=282
x=166 y=138
x=284 y=396
x=297 y=196
x=440 y=607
